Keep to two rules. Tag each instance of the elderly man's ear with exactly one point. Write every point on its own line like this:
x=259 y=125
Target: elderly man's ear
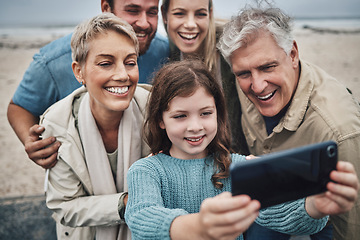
x=294 y=54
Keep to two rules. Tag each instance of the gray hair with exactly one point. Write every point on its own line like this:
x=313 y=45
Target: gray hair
x=90 y=29
x=245 y=27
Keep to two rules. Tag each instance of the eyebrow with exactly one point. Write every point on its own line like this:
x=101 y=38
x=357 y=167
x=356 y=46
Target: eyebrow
x=185 y=111
x=183 y=9
x=112 y=56
x=260 y=67
x=267 y=64
x=138 y=6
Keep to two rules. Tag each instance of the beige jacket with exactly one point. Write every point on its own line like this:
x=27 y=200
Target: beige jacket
x=69 y=190
x=322 y=109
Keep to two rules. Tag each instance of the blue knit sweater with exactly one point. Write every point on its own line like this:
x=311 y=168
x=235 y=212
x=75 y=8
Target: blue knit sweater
x=162 y=188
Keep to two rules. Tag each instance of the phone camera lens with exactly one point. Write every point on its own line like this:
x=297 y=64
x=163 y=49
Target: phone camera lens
x=331 y=151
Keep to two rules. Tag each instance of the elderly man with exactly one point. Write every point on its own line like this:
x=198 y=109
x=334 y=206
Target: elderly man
x=50 y=78
x=287 y=102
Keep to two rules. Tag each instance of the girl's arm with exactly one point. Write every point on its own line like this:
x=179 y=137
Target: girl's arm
x=220 y=217
x=145 y=213
x=148 y=217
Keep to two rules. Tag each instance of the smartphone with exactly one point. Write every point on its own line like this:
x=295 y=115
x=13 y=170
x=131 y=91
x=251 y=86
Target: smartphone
x=285 y=175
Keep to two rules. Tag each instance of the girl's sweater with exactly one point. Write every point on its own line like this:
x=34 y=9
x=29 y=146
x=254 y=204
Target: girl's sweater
x=162 y=188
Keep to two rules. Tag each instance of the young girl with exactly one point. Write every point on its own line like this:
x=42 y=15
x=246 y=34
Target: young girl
x=192 y=33
x=182 y=191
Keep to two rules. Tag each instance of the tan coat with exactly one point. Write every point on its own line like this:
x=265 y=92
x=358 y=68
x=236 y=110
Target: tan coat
x=70 y=193
x=322 y=109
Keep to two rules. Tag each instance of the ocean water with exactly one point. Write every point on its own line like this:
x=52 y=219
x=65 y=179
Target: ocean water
x=59 y=31
x=35 y=31
x=334 y=23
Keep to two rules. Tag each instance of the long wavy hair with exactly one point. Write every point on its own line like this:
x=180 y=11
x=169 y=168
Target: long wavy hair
x=183 y=78
x=209 y=44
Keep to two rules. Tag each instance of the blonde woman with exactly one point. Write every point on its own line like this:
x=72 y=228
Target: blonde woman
x=99 y=126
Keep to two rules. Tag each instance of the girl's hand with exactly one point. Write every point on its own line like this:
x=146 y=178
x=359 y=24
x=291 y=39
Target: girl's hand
x=340 y=197
x=227 y=217
x=221 y=217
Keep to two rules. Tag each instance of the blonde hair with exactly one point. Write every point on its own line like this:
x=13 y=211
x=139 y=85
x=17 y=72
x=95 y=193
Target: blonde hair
x=90 y=29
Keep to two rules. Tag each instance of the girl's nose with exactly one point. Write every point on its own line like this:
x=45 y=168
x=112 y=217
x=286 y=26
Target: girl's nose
x=195 y=125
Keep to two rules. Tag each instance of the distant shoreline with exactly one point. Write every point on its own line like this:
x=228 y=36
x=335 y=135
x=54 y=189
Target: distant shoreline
x=72 y=25
x=26 y=37
x=331 y=30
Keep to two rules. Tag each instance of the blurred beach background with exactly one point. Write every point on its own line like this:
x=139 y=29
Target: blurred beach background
x=327 y=32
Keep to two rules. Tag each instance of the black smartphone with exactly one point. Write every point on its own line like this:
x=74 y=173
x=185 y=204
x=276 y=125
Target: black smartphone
x=283 y=176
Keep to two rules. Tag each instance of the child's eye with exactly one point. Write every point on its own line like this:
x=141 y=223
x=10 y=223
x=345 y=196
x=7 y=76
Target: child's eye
x=206 y=113
x=179 y=116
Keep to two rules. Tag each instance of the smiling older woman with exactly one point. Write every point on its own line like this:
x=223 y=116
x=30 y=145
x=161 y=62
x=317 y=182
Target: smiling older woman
x=99 y=126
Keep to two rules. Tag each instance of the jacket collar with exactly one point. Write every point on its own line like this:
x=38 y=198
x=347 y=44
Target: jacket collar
x=300 y=101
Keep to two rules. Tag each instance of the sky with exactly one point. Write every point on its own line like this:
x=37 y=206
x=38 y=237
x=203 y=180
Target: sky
x=69 y=12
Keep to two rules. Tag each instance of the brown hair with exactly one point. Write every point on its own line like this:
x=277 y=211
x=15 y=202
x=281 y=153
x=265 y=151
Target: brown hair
x=183 y=78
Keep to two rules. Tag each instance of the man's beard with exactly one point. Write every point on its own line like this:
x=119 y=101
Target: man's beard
x=144 y=46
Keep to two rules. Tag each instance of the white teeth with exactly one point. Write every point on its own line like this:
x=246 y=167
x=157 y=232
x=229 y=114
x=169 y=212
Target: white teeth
x=118 y=90
x=194 y=139
x=266 y=96
x=140 y=34
x=188 y=36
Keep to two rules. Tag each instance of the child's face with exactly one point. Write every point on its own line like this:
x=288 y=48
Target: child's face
x=191 y=124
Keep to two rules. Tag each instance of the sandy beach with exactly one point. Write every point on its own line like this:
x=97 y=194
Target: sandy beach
x=337 y=53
